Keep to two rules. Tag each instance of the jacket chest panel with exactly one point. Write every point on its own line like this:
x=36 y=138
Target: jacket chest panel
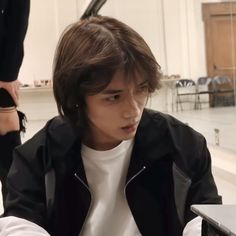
x=151 y=199
x=72 y=204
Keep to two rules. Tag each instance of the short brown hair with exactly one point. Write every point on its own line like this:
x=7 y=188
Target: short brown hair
x=88 y=55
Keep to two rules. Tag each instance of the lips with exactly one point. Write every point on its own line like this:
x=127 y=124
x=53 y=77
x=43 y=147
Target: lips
x=130 y=128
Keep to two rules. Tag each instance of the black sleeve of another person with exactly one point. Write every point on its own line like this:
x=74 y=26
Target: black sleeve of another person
x=14 y=25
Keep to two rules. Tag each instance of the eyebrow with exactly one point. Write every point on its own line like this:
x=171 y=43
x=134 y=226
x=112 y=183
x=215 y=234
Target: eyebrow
x=114 y=91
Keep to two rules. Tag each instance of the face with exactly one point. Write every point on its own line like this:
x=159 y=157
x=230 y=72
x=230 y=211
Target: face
x=114 y=114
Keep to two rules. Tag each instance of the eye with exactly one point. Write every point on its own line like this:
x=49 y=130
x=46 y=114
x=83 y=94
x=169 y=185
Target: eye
x=113 y=98
x=143 y=89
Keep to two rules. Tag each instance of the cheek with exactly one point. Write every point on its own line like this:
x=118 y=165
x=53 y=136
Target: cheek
x=142 y=103
x=98 y=114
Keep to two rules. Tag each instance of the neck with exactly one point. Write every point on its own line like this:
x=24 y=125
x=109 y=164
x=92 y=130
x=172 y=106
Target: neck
x=100 y=146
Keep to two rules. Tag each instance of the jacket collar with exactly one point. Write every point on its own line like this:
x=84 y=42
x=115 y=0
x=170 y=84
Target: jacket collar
x=152 y=142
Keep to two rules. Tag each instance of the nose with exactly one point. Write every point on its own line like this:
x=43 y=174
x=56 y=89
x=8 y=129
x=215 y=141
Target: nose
x=131 y=109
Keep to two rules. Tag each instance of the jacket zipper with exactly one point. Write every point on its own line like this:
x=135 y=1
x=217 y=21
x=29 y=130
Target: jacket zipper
x=87 y=187
x=130 y=180
x=134 y=176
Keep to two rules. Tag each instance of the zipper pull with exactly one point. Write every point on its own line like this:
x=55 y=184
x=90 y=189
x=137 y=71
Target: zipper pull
x=134 y=176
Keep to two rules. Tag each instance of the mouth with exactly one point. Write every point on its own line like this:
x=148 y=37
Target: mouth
x=130 y=128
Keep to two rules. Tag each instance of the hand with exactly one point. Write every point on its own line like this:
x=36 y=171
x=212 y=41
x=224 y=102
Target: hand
x=12 y=88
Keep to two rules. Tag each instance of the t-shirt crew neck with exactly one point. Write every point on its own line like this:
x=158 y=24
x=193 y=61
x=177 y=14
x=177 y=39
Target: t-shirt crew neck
x=115 y=152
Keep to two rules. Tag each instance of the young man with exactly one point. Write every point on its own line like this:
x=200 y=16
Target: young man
x=107 y=166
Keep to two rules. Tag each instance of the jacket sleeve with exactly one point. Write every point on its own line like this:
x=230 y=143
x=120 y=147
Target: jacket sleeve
x=203 y=189
x=193 y=227
x=26 y=184
x=16 y=16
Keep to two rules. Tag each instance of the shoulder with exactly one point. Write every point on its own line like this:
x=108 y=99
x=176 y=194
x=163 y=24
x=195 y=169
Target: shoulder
x=157 y=122
x=52 y=129
x=56 y=128
x=54 y=139
x=185 y=145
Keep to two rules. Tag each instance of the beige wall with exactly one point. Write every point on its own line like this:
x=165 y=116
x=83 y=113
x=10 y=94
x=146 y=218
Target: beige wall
x=173 y=29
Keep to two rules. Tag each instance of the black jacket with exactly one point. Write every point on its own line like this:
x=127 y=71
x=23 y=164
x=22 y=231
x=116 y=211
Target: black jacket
x=170 y=169
x=13 y=25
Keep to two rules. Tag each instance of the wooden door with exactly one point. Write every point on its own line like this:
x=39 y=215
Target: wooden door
x=220 y=37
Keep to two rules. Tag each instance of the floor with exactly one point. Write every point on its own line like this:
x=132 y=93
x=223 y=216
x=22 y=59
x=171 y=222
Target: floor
x=207 y=121
x=222 y=145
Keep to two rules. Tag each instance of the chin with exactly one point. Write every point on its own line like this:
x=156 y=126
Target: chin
x=130 y=136
x=126 y=139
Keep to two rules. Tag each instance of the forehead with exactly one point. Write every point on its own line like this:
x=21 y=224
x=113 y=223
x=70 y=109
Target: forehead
x=121 y=78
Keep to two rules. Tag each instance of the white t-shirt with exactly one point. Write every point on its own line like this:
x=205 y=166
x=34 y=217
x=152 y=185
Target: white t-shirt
x=106 y=172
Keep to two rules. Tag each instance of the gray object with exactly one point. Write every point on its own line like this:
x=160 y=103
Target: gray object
x=222 y=217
